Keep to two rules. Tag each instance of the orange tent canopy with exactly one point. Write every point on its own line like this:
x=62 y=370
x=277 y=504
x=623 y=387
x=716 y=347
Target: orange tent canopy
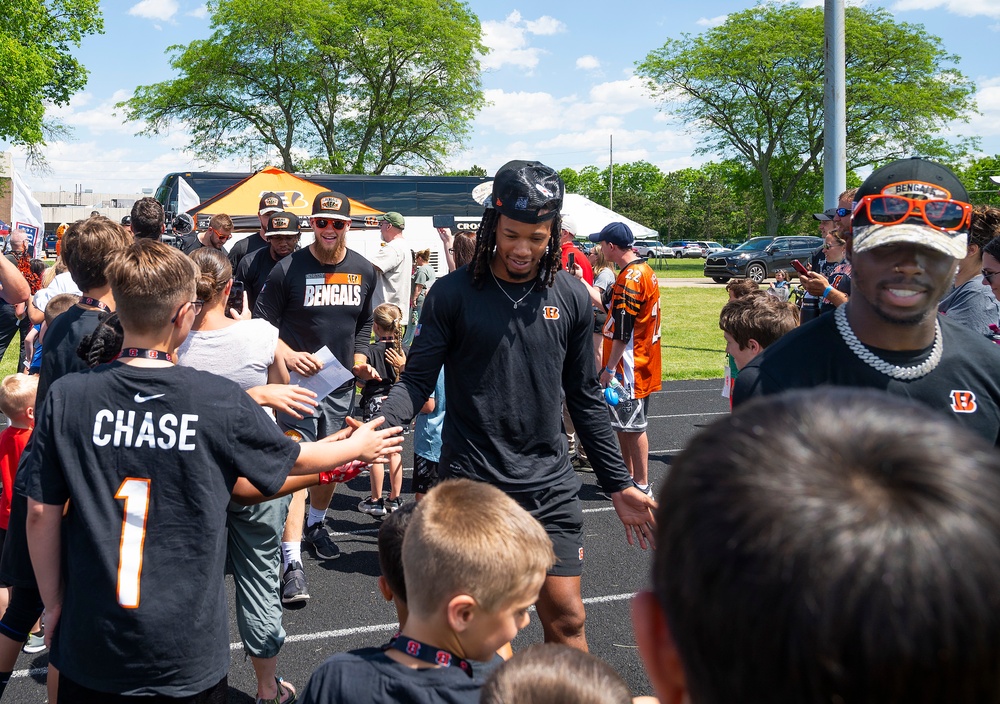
x=243 y=198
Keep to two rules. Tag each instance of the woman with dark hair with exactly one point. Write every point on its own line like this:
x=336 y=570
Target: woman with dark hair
x=249 y=353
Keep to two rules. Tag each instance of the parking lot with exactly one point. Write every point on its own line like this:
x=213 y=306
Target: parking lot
x=346 y=610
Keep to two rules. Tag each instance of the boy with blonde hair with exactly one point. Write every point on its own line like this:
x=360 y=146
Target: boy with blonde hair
x=470 y=578
x=17 y=402
x=149 y=454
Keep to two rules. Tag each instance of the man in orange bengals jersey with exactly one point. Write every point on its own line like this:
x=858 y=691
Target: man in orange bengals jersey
x=631 y=346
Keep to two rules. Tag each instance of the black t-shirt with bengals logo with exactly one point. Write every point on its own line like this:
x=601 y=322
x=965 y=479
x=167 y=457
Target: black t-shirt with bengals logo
x=965 y=384
x=314 y=304
x=506 y=370
x=148 y=458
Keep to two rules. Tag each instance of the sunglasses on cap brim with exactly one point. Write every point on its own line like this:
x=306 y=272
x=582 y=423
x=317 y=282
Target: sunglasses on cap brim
x=946 y=215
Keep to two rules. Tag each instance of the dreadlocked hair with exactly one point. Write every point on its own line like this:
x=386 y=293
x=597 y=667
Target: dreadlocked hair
x=486 y=242
x=104 y=344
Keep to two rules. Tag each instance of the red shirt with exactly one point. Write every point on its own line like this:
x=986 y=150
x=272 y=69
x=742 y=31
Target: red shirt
x=581 y=259
x=12 y=442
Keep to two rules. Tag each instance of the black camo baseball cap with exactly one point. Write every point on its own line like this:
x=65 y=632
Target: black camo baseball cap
x=527 y=191
x=282 y=223
x=270 y=203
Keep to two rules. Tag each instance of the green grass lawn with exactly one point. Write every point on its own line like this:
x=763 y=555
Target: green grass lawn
x=678 y=268
x=692 y=343
x=8 y=365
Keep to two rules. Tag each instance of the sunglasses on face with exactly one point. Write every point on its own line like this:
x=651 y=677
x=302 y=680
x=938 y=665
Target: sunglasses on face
x=843 y=212
x=988 y=275
x=831 y=246
x=947 y=215
x=324 y=222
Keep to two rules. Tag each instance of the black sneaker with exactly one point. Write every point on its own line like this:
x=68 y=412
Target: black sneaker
x=293 y=584
x=393 y=504
x=322 y=544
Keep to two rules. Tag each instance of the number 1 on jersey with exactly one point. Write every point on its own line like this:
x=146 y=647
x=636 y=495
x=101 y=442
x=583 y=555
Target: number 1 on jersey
x=135 y=492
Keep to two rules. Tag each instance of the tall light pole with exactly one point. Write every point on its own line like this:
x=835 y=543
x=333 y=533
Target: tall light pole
x=834 y=110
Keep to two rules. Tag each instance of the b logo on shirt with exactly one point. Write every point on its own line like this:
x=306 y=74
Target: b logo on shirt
x=963 y=402
x=550 y=313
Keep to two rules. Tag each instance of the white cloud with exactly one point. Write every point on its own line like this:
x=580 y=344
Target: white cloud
x=508 y=40
x=544 y=25
x=162 y=10
x=963 y=8
x=987 y=99
x=200 y=12
x=711 y=21
x=516 y=113
x=98 y=118
x=588 y=63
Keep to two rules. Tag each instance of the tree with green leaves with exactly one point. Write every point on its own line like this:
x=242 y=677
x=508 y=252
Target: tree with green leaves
x=351 y=86
x=976 y=177
x=753 y=88
x=37 y=67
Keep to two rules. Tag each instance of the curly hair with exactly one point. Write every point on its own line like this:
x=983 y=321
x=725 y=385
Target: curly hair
x=486 y=242
x=104 y=343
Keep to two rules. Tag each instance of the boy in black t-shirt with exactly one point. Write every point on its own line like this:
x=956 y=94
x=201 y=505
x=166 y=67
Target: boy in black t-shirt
x=470 y=579
x=149 y=454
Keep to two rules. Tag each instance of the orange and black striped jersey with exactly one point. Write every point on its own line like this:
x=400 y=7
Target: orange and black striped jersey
x=634 y=318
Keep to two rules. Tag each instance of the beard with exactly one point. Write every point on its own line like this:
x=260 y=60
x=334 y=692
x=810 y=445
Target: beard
x=329 y=254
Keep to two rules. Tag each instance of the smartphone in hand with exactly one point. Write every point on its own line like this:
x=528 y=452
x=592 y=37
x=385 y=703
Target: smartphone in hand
x=799 y=267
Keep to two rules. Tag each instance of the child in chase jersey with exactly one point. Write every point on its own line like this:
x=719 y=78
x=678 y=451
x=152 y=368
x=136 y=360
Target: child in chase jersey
x=148 y=454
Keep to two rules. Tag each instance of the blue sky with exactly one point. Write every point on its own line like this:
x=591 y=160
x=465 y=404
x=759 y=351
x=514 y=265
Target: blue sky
x=559 y=80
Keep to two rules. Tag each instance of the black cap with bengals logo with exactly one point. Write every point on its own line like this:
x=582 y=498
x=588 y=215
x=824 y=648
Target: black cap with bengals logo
x=333 y=205
x=527 y=191
x=270 y=203
x=283 y=223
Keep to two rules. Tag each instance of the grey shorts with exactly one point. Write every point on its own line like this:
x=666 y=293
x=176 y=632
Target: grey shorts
x=327 y=418
x=629 y=416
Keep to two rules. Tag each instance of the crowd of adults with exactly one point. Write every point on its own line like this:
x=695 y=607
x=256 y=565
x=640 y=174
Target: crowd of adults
x=841 y=545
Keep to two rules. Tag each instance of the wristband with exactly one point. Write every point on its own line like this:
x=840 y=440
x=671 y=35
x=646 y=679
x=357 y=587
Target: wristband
x=827 y=291
x=609 y=370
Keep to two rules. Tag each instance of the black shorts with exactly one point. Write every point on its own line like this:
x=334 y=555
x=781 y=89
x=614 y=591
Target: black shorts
x=629 y=416
x=71 y=692
x=425 y=474
x=558 y=509
x=15 y=563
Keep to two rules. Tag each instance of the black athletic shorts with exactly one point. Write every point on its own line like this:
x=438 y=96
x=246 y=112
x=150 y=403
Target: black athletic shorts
x=71 y=692
x=558 y=509
x=425 y=474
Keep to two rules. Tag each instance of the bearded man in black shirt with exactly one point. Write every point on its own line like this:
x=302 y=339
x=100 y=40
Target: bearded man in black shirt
x=911 y=225
x=513 y=331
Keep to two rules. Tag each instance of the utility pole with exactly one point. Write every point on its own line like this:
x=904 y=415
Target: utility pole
x=611 y=179
x=835 y=111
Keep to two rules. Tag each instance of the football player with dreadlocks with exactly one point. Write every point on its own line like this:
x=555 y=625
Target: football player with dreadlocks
x=513 y=332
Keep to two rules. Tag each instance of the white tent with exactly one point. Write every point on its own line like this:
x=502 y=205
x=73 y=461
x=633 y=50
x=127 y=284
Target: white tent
x=591 y=217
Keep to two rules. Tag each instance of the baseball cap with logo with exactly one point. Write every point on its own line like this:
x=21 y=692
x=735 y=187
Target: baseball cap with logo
x=394 y=218
x=882 y=216
x=282 y=223
x=333 y=205
x=826 y=215
x=617 y=233
x=270 y=203
x=527 y=191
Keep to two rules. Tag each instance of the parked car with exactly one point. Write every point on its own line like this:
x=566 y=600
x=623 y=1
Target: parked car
x=49 y=244
x=694 y=250
x=651 y=248
x=677 y=247
x=759 y=257
x=712 y=247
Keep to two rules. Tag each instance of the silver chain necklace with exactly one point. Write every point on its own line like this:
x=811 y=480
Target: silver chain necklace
x=879 y=364
x=530 y=289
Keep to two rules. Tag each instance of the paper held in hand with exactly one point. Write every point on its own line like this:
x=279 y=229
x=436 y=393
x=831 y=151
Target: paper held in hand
x=332 y=376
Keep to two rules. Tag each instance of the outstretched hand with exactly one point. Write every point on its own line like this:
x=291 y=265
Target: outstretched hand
x=374 y=444
x=635 y=510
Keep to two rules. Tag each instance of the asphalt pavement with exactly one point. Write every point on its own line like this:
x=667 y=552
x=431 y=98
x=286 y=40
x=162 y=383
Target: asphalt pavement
x=347 y=611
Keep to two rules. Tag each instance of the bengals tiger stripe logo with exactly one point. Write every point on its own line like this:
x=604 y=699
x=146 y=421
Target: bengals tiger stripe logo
x=550 y=313
x=963 y=402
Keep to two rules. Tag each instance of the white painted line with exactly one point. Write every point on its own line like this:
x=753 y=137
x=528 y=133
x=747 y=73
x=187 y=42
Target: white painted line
x=342 y=632
x=691 y=415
